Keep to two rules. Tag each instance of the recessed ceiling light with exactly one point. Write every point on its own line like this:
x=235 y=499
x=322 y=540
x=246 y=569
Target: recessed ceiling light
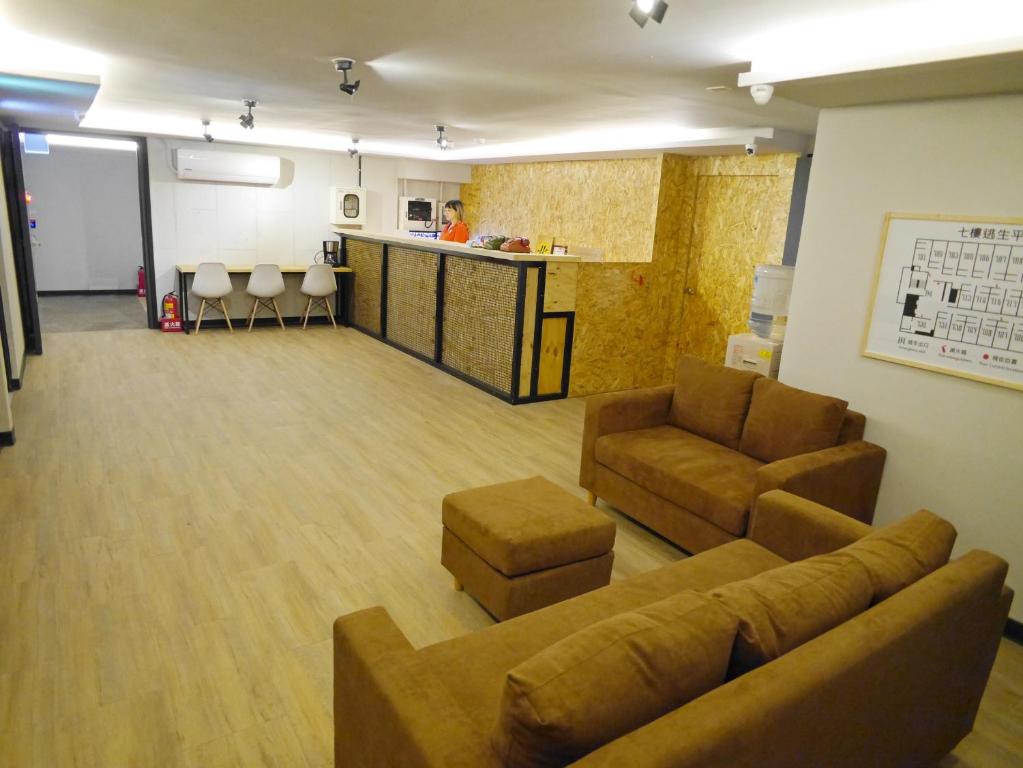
x=718 y=88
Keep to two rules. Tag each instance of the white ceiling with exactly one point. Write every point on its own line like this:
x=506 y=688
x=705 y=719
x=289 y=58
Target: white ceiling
x=539 y=76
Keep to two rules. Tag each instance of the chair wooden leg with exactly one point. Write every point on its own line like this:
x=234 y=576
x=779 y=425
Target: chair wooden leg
x=278 y=312
x=308 y=306
x=330 y=312
x=458 y=586
x=252 y=314
x=202 y=309
x=227 y=317
x=591 y=498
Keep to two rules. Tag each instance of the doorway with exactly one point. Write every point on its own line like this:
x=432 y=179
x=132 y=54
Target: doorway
x=730 y=238
x=85 y=231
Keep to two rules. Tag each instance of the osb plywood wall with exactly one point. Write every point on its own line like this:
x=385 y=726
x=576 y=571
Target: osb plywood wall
x=706 y=223
x=605 y=204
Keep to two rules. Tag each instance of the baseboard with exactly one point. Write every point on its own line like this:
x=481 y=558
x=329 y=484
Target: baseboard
x=103 y=292
x=261 y=322
x=7 y=438
x=1014 y=631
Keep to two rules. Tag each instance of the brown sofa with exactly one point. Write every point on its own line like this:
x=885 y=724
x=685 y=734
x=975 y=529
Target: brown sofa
x=688 y=459
x=897 y=683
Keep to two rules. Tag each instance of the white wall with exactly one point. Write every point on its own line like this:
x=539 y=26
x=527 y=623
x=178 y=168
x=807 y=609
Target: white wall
x=86 y=205
x=10 y=294
x=284 y=224
x=954 y=446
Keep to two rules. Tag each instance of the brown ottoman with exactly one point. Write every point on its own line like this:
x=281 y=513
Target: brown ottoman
x=524 y=545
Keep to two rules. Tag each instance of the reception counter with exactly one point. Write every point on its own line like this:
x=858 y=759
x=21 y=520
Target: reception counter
x=501 y=321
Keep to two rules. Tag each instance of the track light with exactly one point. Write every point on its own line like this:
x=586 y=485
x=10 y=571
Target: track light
x=354 y=149
x=343 y=65
x=248 y=121
x=644 y=10
x=442 y=139
x=206 y=130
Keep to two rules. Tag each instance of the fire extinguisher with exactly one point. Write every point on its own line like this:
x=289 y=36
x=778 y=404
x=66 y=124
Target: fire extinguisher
x=171 y=306
x=141 y=290
x=170 y=322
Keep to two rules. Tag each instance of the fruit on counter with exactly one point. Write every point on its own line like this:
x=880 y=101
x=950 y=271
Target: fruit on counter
x=516 y=245
x=494 y=243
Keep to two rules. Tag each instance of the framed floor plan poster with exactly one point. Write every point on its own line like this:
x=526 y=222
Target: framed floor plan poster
x=949 y=297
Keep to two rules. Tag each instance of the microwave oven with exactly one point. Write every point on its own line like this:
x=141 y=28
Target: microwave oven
x=348 y=206
x=417 y=213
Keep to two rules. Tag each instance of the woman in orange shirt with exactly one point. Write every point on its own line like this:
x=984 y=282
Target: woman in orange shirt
x=455 y=230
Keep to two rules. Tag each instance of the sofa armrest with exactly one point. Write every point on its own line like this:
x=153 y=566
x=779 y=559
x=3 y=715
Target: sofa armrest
x=389 y=709
x=846 y=477
x=796 y=528
x=620 y=412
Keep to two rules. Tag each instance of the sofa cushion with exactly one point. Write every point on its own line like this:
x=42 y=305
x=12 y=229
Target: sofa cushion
x=711 y=400
x=784 y=421
x=611 y=678
x=899 y=554
x=705 y=478
x=477 y=687
x=781 y=609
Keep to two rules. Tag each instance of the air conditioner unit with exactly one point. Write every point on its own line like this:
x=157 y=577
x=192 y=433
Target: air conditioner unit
x=231 y=167
x=347 y=206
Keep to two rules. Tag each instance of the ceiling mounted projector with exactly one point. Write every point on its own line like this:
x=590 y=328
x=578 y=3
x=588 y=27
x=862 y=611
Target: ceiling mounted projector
x=644 y=10
x=761 y=93
x=344 y=65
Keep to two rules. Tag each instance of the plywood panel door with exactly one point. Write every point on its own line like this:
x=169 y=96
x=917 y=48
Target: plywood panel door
x=735 y=228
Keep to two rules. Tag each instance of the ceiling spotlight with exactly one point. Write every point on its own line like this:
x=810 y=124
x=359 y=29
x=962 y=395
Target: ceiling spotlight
x=206 y=130
x=354 y=149
x=344 y=65
x=247 y=120
x=761 y=93
x=442 y=139
x=644 y=10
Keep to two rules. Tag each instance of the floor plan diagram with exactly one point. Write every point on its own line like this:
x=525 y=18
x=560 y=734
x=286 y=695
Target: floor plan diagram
x=949 y=297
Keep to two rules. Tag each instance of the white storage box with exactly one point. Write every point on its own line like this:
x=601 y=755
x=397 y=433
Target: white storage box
x=749 y=352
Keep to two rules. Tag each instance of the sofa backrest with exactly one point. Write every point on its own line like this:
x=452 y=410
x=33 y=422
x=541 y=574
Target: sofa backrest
x=853 y=427
x=715 y=402
x=899 y=684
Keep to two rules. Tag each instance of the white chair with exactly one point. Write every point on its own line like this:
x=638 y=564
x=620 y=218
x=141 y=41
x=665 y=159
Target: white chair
x=265 y=284
x=319 y=283
x=212 y=284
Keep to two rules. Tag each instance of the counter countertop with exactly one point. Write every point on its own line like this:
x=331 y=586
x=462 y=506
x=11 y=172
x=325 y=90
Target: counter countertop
x=287 y=269
x=457 y=249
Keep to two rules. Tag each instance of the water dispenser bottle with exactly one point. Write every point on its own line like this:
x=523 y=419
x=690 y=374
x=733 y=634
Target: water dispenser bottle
x=769 y=309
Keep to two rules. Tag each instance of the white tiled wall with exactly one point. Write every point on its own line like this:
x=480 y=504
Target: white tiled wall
x=239 y=224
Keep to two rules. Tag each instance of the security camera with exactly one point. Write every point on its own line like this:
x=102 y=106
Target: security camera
x=761 y=93
x=344 y=65
x=751 y=150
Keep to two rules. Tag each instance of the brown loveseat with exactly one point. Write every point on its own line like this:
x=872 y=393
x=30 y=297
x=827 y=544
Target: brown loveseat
x=896 y=683
x=688 y=459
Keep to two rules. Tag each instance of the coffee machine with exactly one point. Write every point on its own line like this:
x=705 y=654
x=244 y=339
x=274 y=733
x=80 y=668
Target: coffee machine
x=332 y=252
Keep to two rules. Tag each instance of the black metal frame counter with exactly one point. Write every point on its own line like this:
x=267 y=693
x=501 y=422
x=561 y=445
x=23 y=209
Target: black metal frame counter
x=503 y=323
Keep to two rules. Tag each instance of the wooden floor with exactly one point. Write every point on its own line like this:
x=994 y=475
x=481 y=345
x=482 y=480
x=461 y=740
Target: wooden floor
x=183 y=517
